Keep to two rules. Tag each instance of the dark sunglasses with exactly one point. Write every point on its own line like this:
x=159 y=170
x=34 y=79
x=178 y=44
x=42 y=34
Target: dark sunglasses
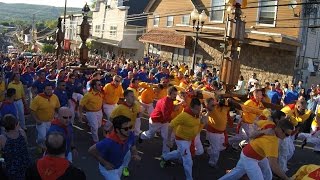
x=286 y=134
x=66 y=117
x=127 y=128
x=117 y=80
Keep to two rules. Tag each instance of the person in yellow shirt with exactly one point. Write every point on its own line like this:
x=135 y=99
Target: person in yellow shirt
x=2 y=89
x=91 y=103
x=134 y=87
x=186 y=126
x=307 y=172
x=112 y=93
x=185 y=82
x=218 y=116
x=19 y=100
x=43 y=108
x=130 y=109
x=301 y=119
x=146 y=98
x=249 y=116
x=259 y=158
x=161 y=90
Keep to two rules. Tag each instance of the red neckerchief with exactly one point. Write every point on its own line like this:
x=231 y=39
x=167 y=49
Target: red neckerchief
x=209 y=88
x=45 y=96
x=58 y=123
x=133 y=87
x=51 y=168
x=255 y=101
x=5 y=102
x=113 y=136
x=189 y=111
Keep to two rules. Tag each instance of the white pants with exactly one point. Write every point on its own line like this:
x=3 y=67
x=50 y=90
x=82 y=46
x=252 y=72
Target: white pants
x=115 y=173
x=255 y=169
x=42 y=130
x=20 y=108
x=153 y=128
x=73 y=103
x=183 y=152
x=147 y=107
x=107 y=109
x=137 y=127
x=313 y=139
x=198 y=145
x=244 y=133
x=286 y=151
x=216 y=145
x=94 y=120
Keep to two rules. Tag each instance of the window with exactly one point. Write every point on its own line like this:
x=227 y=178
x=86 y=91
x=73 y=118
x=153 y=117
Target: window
x=267 y=12
x=156 y=20
x=217 y=10
x=154 y=49
x=169 y=21
x=180 y=55
x=185 y=20
x=113 y=31
x=97 y=29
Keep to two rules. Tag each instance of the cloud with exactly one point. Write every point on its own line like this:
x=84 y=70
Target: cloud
x=59 y=3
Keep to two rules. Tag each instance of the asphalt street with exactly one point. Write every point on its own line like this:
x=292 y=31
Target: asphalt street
x=150 y=151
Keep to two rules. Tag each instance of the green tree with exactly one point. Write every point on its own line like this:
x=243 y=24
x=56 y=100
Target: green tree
x=5 y=23
x=48 y=48
x=51 y=24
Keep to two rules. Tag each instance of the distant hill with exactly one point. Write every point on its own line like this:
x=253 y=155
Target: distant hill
x=24 y=12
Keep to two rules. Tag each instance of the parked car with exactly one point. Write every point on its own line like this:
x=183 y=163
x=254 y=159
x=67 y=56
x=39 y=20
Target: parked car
x=27 y=55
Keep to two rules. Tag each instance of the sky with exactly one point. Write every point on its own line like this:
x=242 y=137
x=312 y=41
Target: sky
x=58 y=3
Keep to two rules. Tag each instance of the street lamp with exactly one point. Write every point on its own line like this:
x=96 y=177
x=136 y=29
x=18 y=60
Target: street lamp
x=198 y=22
x=84 y=34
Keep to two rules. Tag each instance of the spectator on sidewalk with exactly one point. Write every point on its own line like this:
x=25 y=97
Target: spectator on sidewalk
x=13 y=144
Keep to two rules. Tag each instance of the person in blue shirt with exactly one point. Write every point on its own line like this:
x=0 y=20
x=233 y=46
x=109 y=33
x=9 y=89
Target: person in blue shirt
x=27 y=77
x=127 y=80
x=114 y=152
x=39 y=84
x=312 y=103
x=142 y=75
x=52 y=78
x=151 y=78
x=61 y=93
x=124 y=72
x=273 y=94
x=63 y=125
x=159 y=75
x=291 y=95
x=7 y=106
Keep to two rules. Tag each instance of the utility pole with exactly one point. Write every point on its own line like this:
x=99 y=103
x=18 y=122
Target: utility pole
x=33 y=30
x=235 y=30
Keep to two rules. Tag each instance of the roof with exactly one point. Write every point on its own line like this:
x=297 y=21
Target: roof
x=164 y=37
x=137 y=7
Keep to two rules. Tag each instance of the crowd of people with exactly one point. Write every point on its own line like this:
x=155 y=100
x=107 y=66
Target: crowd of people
x=179 y=102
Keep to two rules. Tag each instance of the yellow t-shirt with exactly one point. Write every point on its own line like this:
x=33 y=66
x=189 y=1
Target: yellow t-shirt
x=295 y=118
x=266 y=145
x=147 y=95
x=307 y=172
x=186 y=126
x=19 y=90
x=250 y=117
x=218 y=118
x=44 y=107
x=112 y=94
x=124 y=110
x=2 y=90
x=92 y=101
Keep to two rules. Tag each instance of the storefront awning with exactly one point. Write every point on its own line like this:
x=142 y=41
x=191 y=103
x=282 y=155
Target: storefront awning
x=164 y=37
x=106 y=41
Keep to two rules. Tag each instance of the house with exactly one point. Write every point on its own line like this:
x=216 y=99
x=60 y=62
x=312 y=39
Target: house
x=272 y=35
x=117 y=25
